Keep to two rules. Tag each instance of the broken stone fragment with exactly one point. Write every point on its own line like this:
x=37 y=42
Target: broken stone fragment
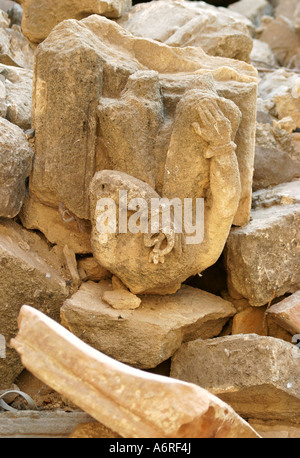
x=282 y=91
x=252 y=9
x=287 y=313
x=186 y=23
x=18 y=85
x=58 y=225
x=262 y=258
x=283 y=39
x=258 y=376
x=249 y=321
x=90 y=269
x=28 y=273
x=15 y=49
x=121 y=299
x=133 y=403
x=274 y=161
x=149 y=335
x=40 y=16
x=16 y=158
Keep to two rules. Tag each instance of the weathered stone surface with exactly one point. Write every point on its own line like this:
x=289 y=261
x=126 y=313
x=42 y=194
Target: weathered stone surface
x=258 y=376
x=90 y=269
x=262 y=258
x=15 y=50
x=262 y=54
x=138 y=114
x=252 y=9
x=57 y=224
x=282 y=89
x=18 y=85
x=249 y=321
x=40 y=16
x=283 y=40
x=16 y=158
x=131 y=402
x=273 y=162
x=286 y=8
x=28 y=274
x=150 y=334
x=287 y=313
x=183 y=23
x=121 y=299
x=75 y=149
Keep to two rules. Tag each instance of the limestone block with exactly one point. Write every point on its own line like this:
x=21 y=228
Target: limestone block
x=286 y=313
x=28 y=274
x=257 y=375
x=133 y=403
x=150 y=334
x=262 y=258
x=183 y=23
x=16 y=158
x=40 y=16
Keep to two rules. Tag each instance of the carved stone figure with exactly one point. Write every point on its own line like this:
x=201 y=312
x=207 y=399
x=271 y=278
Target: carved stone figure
x=155 y=121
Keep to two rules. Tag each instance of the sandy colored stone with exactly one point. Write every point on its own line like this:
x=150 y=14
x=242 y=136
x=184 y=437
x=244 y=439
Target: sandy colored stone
x=16 y=50
x=16 y=158
x=252 y=9
x=262 y=54
x=92 y=430
x=287 y=313
x=186 y=23
x=121 y=299
x=286 y=8
x=282 y=89
x=91 y=269
x=18 y=84
x=71 y=265
x=140 y=113
x=28 y=274
x=131 y=402
x=282 y=39
x=251 y=320
x=274 y=162
x=257 y=375
x=40 y=16
x=149 y=335
x=57 y=224
x=262 y=258
x=81 y=149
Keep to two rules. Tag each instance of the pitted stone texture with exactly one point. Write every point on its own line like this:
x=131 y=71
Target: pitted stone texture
x=258 y=376
x=41 y=16
x=262 y=258
x=16 y=158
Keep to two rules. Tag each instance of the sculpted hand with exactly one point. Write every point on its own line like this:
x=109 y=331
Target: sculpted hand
x=214 y=128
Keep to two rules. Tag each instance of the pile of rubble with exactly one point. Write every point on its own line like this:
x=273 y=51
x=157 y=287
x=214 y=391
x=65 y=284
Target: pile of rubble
x=170 y=99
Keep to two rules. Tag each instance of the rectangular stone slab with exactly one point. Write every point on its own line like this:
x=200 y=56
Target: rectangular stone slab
x=129 y=401
x=150 y=334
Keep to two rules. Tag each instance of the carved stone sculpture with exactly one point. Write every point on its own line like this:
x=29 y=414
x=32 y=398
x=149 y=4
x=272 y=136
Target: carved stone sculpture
x=154 y=121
